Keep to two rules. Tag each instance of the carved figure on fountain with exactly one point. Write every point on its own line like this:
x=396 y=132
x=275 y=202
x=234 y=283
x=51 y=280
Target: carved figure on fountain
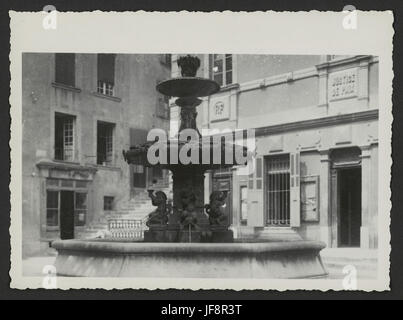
x=215 y=210
x=188 y=65
x=188 y=213
x=188 y=119
x=158 y=217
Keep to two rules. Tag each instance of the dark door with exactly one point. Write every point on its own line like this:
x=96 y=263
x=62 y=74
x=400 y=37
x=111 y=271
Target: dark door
x=139 y=172
x=67 y=215
x=349 y=224
x=224 y=184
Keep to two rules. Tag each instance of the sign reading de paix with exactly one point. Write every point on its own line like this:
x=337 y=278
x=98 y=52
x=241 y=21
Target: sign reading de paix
x=342 y=84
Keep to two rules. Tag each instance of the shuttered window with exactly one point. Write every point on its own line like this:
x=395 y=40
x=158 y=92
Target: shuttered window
x=295 y=190
x=283 y=206
x=255 y=213
x=278 y=191
x=65 y=68
x=106 y=74
x=243 y=205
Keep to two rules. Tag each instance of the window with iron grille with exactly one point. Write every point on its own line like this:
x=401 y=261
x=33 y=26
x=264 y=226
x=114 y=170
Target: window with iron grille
x=64 y=137
x=221 y=68
x=278 y=191
x=106 y=74
x=105 y=143
x=65 y=68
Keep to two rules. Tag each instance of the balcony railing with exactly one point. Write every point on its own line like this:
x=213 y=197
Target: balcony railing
x=126 y=229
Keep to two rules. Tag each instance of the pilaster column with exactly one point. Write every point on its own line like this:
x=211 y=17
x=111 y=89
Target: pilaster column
x=324 y=196
x=235 y=198
x=363 y=93
x=365 y=196
x=323 y=86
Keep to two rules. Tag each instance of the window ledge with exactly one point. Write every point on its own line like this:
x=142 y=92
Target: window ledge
x=66 y=162
x=228 y=87
x=104 y=96
x=65 y=87
x=108 y=167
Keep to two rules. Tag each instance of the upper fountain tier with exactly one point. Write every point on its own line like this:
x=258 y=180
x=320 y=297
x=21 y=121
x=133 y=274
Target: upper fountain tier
x=188 y=86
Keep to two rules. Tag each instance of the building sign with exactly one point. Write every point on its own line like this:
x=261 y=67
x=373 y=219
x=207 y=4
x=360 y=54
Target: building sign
x=342 y=84
x=222 y=185
x=219 y=109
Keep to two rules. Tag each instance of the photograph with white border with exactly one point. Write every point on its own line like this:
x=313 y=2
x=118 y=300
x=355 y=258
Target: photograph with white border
x=161 y=150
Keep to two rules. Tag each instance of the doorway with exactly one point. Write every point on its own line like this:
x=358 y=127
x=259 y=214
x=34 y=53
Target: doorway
x=66 y=215
x=349 y=204
x=222 y=181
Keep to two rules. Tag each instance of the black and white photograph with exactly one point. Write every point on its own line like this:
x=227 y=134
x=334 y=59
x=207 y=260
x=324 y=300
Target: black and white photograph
x=249 y=168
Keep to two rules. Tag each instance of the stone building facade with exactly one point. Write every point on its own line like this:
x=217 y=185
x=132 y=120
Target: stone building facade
x=79 y=112
x=316 y=126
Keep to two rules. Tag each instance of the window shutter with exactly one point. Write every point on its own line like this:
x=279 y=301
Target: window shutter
x=255 y=196
x=106 y=68
x=295 y=205
x=65 y=68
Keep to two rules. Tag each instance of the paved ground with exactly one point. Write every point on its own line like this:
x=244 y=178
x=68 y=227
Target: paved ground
x=364 y=261
x=35 y=266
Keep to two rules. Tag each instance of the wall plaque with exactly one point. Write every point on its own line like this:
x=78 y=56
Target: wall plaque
x=342 y=84
x=219 y=109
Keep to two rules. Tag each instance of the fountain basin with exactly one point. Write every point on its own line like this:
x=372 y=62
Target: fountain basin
x=100 y=258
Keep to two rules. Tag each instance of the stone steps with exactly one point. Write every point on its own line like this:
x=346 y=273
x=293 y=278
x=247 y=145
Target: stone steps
x=136 y=208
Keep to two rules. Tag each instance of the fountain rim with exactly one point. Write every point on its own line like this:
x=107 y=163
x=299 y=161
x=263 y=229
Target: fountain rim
x=104 y=246
x=174 y=87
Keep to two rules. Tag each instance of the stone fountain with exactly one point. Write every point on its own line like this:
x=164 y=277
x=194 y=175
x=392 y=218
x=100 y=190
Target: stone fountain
x=189 y=219
x=188 y=238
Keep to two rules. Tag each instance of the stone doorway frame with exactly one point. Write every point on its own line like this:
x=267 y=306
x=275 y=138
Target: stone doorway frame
x=339 y=163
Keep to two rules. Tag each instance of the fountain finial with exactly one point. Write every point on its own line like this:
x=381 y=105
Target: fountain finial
x=189 y=65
